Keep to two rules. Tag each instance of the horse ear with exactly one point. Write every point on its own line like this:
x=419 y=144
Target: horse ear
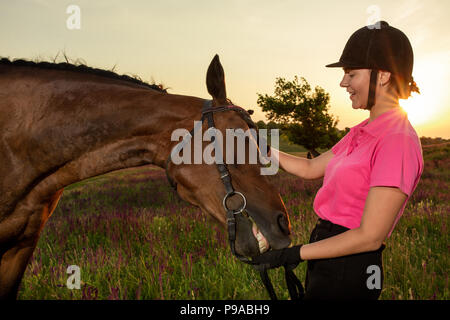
x=215 y=81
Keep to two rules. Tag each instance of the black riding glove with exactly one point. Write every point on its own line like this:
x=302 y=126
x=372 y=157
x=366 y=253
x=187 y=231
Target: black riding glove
x=288 y=257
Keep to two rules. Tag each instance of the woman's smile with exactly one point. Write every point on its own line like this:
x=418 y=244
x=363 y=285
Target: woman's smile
x=352 y=95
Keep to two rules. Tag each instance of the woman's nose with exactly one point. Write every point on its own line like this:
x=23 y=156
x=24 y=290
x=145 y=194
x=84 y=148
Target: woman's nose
x=344 y=82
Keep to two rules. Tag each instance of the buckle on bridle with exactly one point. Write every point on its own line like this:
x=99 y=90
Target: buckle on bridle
x=234 y=211
x=226 y=174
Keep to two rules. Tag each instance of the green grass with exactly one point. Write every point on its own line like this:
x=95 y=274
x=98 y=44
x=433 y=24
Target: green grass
x=133 y=238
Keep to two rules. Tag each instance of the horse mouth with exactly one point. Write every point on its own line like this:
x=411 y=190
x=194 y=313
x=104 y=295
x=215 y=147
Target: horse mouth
x=263 y=244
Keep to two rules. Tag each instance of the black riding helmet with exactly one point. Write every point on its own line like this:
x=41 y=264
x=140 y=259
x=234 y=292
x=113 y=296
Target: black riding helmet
x=381 y=47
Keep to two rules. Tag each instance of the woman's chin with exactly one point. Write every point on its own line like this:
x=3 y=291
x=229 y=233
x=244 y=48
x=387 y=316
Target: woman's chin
x=357 y=106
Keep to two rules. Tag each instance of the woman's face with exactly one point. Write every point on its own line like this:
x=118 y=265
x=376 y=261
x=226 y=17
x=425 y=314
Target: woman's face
x=357 y=83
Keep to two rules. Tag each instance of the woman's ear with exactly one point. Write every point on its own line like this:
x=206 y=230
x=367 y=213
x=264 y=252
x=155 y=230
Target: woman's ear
x=384 y=77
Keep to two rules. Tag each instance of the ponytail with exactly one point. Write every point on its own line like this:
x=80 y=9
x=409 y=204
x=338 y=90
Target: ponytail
x=403 y=88
x=413 y=86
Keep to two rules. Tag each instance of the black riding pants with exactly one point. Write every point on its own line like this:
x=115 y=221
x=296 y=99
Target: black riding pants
x=357 y=276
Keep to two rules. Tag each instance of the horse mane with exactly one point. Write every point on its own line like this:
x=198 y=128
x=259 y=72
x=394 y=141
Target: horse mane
x=82 y=68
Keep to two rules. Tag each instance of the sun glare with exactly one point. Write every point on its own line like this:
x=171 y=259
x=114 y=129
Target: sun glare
x=419 y=109
x=430 y=76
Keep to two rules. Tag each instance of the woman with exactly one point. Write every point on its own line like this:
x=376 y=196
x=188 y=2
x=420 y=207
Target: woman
x=368 y=175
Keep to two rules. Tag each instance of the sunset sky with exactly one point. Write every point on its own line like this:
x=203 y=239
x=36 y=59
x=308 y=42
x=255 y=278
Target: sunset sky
x=172 y=42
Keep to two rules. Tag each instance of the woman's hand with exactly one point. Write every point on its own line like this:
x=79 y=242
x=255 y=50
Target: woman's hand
x=302 y=167
x=288 y=257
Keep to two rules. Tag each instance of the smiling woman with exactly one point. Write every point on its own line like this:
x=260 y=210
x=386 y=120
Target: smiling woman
x=368 y=175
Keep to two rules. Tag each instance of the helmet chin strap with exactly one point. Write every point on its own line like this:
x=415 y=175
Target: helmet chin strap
x=372 y=88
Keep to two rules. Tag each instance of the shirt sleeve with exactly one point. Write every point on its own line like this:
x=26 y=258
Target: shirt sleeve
x=342 y=144
x=397 y=162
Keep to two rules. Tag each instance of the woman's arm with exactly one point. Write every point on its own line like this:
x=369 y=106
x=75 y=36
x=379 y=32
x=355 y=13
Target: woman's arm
x=302 y=167
x=381 y=208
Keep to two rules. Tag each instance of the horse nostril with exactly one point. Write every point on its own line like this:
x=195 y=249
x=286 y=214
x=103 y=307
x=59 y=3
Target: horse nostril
x=284 y=224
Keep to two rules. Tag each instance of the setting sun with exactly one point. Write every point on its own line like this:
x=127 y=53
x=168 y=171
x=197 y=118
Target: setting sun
x=416 y=109
x=431 y=79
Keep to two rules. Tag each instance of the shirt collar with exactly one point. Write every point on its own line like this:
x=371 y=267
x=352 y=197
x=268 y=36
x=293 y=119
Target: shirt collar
x=380 y=123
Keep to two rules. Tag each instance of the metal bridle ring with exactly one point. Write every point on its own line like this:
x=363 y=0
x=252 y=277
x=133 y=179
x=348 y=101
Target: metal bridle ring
x=233 y=193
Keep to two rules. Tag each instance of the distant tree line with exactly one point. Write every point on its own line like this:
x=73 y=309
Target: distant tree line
x=427 y=140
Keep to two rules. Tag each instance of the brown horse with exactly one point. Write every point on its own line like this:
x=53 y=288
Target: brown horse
x=61 y=123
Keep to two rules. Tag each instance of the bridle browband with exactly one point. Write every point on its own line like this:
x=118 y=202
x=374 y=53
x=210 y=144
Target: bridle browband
x=294 y=285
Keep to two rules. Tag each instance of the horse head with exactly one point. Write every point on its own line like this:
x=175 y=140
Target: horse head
x=265 y=223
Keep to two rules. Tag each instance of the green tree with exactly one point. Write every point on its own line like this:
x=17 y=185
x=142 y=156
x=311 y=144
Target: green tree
x=302 y=114
x=261 y=125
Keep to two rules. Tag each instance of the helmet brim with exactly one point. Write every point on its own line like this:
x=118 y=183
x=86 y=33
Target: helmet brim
x=335 y=65
x=341 y=64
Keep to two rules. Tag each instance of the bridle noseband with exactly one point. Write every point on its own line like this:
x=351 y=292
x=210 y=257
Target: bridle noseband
x=294 y=285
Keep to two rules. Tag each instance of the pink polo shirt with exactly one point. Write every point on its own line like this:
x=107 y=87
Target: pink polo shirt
x=385 y=152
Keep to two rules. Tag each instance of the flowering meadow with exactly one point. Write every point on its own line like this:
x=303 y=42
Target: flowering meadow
x=133 y=238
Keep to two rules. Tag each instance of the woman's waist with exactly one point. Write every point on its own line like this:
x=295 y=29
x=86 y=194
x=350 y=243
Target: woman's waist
x=330 y=226
x=325 y=229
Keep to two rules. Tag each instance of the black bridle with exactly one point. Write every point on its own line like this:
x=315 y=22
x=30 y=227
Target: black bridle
x=294 y=285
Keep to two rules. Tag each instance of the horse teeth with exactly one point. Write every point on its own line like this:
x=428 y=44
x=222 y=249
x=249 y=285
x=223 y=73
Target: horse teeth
x=262 y=242
x=262 y=247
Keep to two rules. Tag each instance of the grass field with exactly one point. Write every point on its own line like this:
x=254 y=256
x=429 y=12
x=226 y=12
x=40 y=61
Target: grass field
x=133 y=238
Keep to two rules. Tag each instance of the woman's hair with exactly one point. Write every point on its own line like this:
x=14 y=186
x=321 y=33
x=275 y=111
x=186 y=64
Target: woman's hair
x=402 y=88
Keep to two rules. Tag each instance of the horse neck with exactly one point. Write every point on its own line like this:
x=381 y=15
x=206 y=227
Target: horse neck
x=122 y=111
x=77 y=125
x=192 y=111
x=155 y=116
